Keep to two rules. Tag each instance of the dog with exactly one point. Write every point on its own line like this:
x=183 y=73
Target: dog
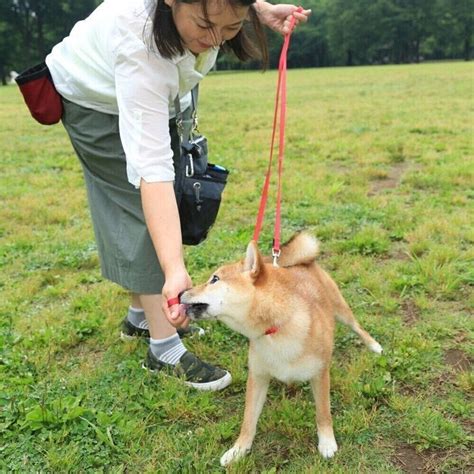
x=288 y=313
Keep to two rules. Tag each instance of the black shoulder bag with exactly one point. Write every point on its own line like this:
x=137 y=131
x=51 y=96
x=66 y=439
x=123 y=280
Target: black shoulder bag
x=198 y=184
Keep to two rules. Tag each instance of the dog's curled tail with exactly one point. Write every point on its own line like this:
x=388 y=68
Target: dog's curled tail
x=301 y=249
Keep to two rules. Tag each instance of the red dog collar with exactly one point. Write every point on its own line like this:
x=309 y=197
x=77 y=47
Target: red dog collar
x=271 y=330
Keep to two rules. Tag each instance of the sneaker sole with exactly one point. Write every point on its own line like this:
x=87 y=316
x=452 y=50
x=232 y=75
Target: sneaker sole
x=213 y=386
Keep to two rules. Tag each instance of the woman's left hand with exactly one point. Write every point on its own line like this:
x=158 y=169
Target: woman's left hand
x=278 y=17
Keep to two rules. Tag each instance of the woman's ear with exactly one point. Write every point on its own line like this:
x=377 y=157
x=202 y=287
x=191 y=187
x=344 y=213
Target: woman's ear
x=170 y=3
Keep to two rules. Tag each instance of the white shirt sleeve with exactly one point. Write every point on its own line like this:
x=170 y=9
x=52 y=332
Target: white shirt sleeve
x=145 y=83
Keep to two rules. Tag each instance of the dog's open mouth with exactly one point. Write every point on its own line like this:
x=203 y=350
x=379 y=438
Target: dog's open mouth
x=196 y=310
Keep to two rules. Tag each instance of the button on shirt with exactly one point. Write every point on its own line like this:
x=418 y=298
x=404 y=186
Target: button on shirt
x=110 y=63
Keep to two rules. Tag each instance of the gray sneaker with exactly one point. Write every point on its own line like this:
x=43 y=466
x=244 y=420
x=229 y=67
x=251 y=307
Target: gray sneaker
x=194 y=371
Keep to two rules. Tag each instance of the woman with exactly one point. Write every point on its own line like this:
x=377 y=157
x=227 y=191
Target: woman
x=118 y=73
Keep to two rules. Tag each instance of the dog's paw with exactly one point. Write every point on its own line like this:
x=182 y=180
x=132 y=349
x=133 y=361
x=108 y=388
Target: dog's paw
x=233 y=454
x=327 y=446
x=376 y=347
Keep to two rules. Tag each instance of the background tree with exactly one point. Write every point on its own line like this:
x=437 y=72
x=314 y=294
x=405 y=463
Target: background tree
x=462 y=12
x=30 y=28
x=8 y=42
x=339 y=32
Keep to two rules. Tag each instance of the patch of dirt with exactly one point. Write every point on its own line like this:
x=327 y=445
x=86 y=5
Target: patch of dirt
x=340 y=168
x=457 y=360
x=409 y=460
x=408 y=390
x=460 y=337
x=468 y=426
x=391 y=181
x=430 y=461
x=399 y=254
x=411 y=313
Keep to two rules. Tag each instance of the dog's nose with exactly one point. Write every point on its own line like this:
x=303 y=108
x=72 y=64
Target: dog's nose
x=184 y=291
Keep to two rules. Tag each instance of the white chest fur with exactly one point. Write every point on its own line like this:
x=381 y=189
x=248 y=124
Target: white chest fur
x=284 y=360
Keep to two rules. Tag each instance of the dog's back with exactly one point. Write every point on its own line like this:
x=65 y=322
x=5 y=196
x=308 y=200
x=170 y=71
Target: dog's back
x=298 y=258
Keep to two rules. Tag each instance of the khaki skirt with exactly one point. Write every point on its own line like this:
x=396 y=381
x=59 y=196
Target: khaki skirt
x=126 y=252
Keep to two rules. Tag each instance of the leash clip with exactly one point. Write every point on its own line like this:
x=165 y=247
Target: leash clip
x=276 y=255
x=190 y=166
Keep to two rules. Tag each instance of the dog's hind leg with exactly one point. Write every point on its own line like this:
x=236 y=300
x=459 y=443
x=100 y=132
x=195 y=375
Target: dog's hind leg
x=344 y=315
x=257 y=387
x=327 y=445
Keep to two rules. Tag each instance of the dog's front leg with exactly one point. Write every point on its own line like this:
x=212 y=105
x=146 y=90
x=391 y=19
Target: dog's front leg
x=320 y=384
x=257 y=387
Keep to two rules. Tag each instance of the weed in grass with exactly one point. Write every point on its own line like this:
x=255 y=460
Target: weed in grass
x=370 y=240
x=396 y=153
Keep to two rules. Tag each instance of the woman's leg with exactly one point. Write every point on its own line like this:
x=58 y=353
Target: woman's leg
x=145 y=312
x=135 y=301
x=126 y=251
x=165 y=343
x=158 y=325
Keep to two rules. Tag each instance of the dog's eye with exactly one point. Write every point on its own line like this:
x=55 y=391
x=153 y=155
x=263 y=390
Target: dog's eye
x=214 y=279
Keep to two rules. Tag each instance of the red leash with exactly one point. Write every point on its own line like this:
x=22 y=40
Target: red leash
x=281 y=91
x=280 y=100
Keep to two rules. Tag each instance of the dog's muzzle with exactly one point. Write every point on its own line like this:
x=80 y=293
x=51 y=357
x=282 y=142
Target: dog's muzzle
x=196 y=310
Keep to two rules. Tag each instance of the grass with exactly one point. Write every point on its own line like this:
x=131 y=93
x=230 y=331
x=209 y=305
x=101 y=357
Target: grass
x=378 y=165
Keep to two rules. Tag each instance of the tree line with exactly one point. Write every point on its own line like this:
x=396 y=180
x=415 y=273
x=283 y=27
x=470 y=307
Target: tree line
x=339 y=32
x=360 y=32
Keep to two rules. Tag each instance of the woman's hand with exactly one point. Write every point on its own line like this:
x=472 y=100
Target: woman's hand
x=175 y=283
x=278 y=17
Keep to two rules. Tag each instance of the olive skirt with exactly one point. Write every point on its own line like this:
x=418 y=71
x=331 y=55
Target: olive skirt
x=126 y=252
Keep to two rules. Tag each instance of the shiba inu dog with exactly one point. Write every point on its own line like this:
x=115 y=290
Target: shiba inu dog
x=288 y=313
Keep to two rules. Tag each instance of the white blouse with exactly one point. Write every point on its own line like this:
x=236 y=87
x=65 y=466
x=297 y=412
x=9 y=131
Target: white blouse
x=110 y=64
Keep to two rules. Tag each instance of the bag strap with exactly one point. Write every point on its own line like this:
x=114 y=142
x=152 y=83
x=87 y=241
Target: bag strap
x=186 y=127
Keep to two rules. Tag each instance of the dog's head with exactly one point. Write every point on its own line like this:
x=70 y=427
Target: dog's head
x=229 y=293
x=244 y=295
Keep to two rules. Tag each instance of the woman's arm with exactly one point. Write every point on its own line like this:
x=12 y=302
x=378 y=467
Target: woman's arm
x=162 y=219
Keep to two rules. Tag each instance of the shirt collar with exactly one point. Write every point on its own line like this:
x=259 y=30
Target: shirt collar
x=192 y=69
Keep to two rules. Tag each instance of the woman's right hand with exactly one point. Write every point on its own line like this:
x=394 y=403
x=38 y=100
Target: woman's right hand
x=175 y=283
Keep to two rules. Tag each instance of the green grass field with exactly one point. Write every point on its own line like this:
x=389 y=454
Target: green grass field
x=379 y=165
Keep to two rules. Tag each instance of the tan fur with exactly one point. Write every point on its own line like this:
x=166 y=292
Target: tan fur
x=302 y=302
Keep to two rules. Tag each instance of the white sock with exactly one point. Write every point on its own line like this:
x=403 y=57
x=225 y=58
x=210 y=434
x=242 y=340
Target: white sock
x=136 y=316
x=168 y=350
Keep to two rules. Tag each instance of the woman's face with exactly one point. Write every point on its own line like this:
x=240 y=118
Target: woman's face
x=198 y=33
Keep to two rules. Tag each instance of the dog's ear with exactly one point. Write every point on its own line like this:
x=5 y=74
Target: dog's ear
x=253 y=260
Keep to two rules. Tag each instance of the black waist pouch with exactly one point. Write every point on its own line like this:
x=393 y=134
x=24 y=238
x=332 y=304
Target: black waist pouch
x=40 y=95
x=199 y=201
x=198 y=184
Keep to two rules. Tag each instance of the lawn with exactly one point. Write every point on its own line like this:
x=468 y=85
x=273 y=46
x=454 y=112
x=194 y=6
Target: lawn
x=379 y=166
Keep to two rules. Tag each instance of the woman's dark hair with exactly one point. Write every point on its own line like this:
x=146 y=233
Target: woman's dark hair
x=245 y=47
